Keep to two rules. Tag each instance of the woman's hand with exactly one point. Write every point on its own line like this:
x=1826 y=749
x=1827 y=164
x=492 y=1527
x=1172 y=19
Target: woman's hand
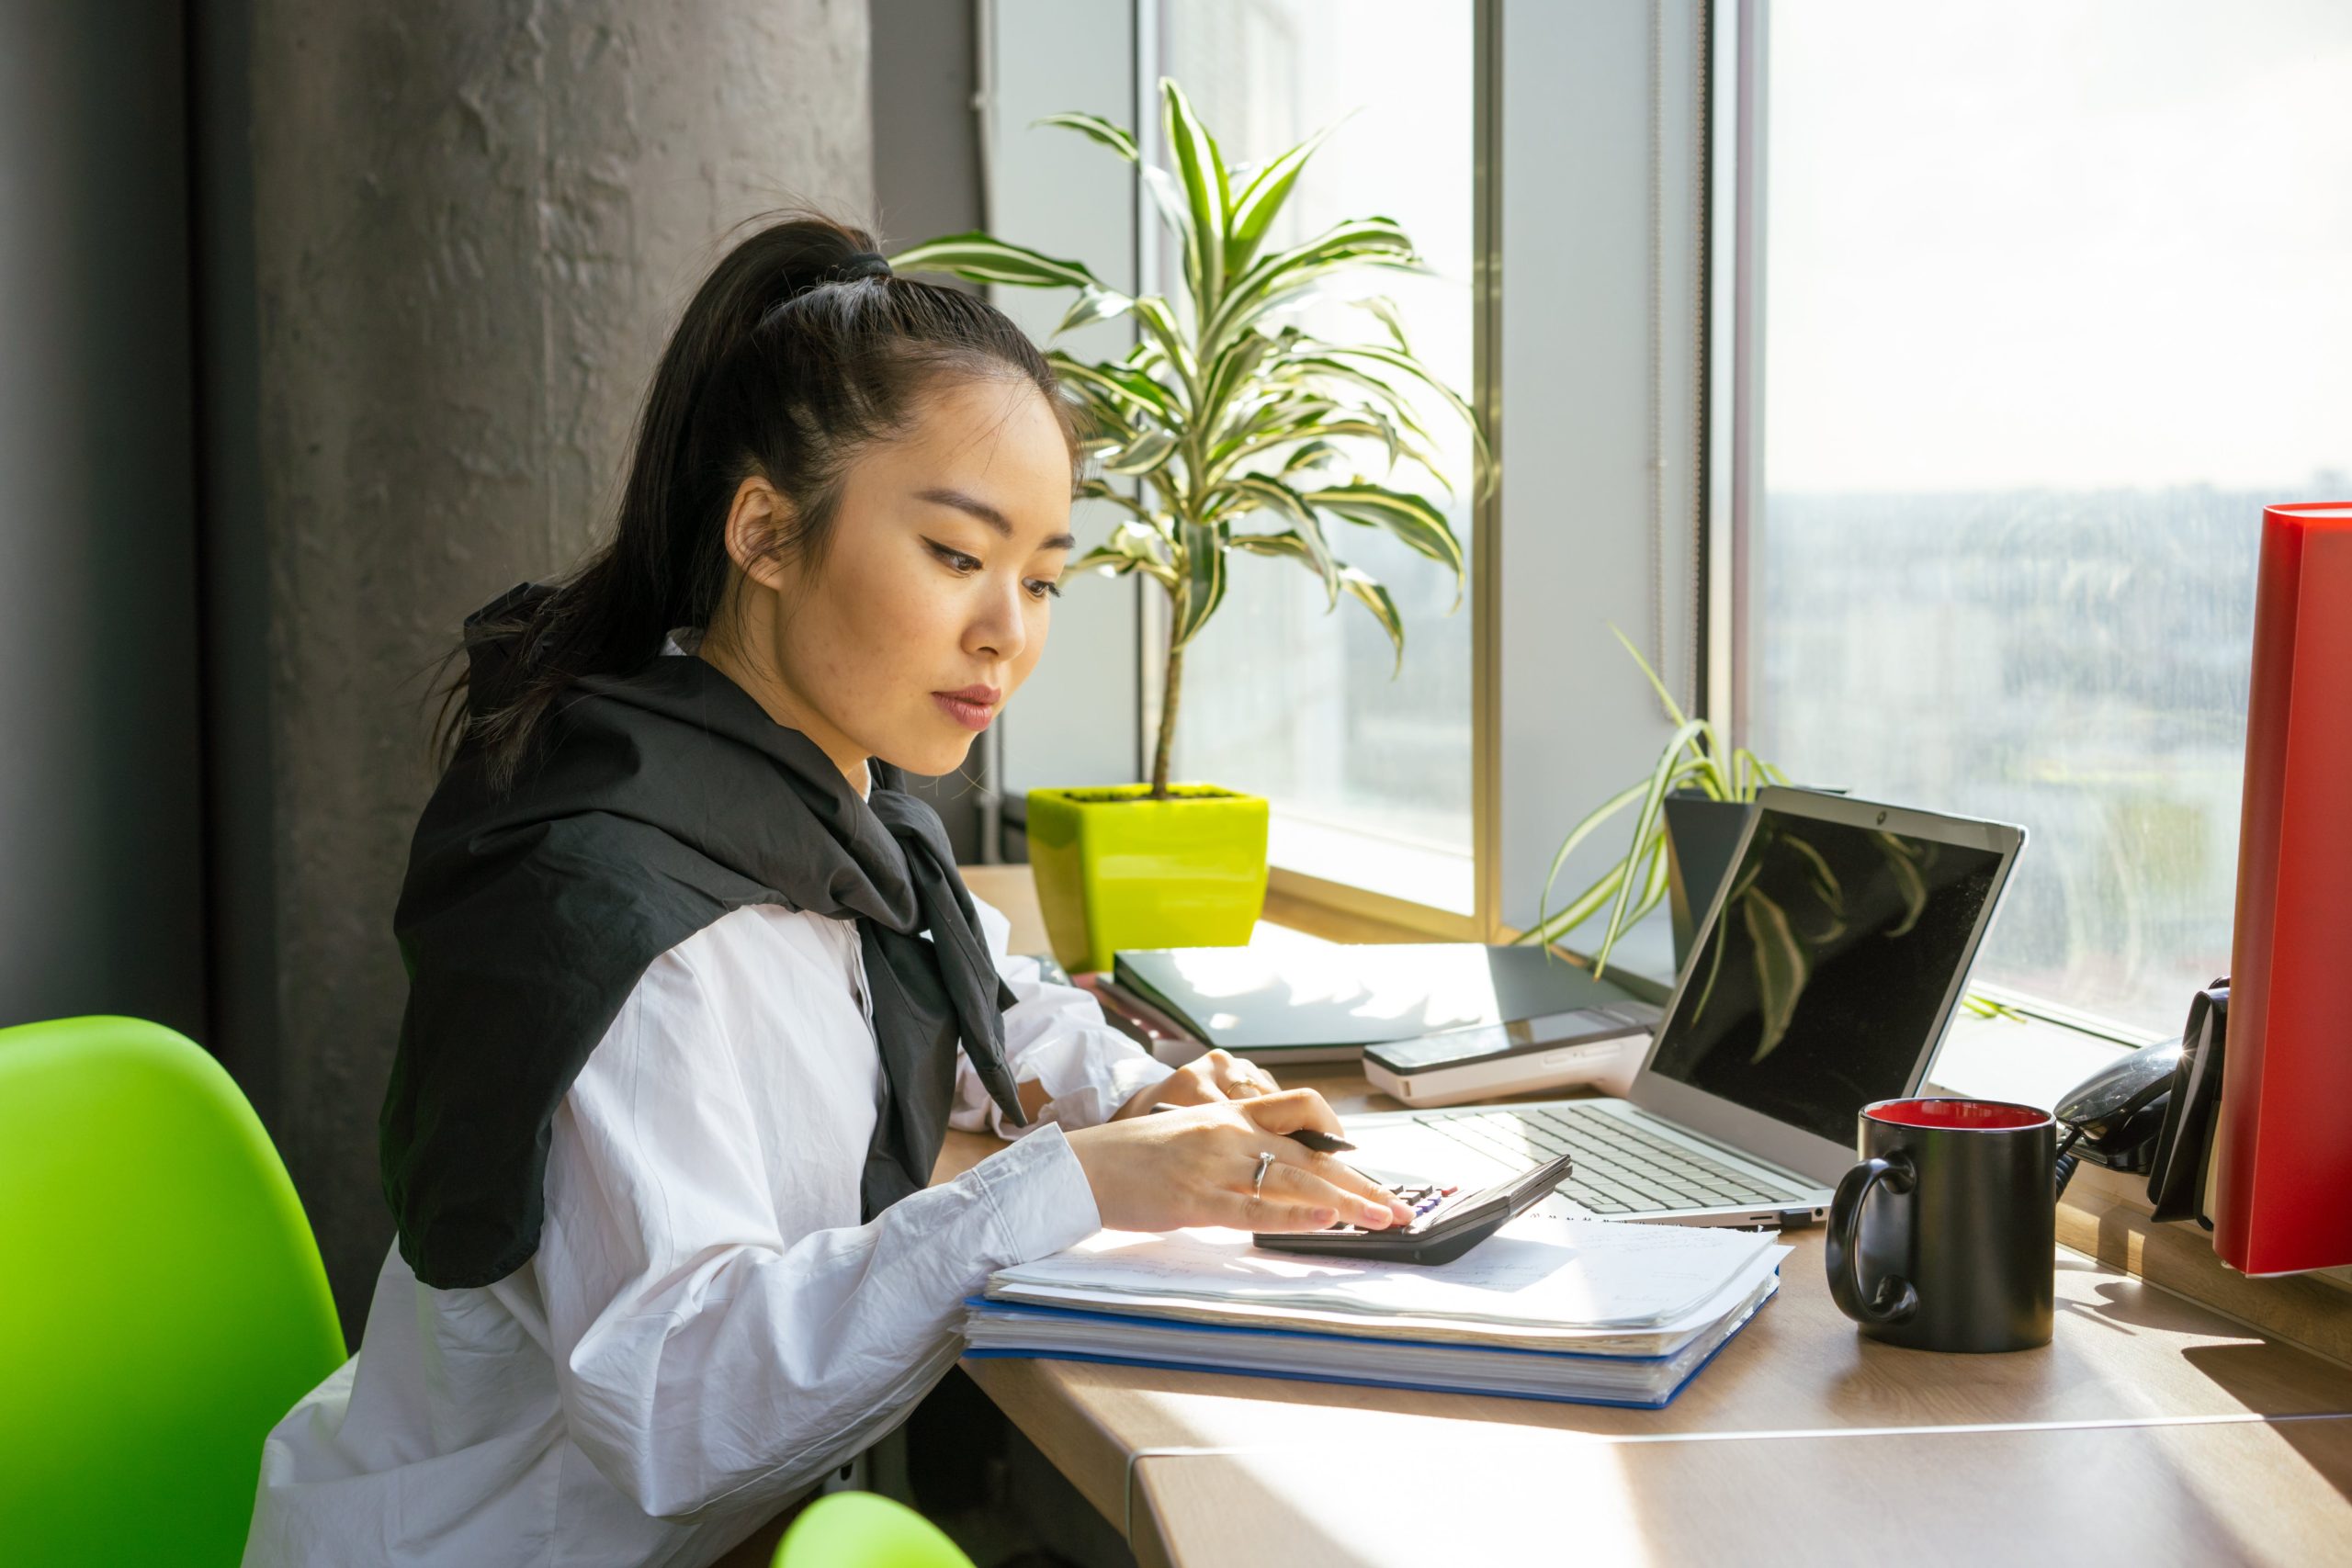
x=1205 y=1080
x=1196 y=1167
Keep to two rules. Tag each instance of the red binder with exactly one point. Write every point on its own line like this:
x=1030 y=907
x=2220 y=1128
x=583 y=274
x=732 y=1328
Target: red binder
x=2284 y=1175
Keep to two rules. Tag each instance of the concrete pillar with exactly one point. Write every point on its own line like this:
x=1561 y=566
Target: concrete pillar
x=474 y=220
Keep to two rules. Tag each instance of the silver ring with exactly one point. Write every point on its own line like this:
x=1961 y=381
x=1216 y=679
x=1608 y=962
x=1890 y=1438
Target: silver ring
x=1258 y=1184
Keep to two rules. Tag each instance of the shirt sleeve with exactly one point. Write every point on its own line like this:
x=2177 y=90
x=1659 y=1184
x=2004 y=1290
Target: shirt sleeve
x=1057 y=1035
x=706 y=1356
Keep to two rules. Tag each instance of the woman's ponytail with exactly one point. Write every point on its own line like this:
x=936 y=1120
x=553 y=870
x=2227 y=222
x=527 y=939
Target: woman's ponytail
x=801 y=349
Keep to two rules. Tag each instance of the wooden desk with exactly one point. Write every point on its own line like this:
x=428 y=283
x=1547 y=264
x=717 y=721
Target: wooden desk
x=2244 y=1492
x=2152 y=1430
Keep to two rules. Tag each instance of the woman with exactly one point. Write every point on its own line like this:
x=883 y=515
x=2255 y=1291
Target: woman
x=694 y=989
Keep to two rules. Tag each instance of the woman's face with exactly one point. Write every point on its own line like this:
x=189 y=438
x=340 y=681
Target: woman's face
x=930 y=604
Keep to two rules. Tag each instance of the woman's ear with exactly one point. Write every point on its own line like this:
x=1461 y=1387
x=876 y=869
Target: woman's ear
x=756 y=519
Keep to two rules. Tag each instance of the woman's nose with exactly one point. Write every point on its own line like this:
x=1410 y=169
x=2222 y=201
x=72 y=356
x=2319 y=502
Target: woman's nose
x=1000 y=628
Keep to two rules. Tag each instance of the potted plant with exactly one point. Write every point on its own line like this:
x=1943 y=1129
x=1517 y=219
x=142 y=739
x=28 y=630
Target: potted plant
x=1691 y=810
x=1239 y=428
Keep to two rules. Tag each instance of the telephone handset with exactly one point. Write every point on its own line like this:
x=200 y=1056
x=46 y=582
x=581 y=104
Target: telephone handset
x=2151 y=1111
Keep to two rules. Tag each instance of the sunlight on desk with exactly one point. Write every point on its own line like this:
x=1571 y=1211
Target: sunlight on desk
x=1802 y=1442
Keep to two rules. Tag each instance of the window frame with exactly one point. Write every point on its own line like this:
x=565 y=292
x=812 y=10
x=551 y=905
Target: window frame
x=1536 y=750
x=1729 y=235
x=1297 y=888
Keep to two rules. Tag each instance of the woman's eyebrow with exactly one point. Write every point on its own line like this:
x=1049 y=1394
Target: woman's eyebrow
x=988 y=514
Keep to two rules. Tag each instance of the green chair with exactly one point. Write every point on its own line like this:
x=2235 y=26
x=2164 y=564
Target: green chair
x=865 y=1529
x=162 y=1301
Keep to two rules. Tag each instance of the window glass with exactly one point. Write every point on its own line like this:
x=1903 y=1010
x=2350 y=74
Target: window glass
x=2054 y=301
x=1280 y=698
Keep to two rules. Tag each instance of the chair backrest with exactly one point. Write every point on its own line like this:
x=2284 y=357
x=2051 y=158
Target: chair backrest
x=865 y=1529
x=162 y=1301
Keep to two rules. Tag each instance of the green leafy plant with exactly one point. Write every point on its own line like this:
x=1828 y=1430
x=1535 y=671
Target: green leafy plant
x=1237 y=424
x=1695 y=758
x=1783 y=943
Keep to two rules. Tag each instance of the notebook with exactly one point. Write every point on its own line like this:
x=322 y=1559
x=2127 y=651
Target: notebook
x=1313 y=1001
x=1004 y=1330
x=1546 y=1308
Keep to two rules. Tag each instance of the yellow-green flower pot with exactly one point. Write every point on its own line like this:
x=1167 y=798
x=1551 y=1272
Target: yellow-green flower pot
x=1116 y=869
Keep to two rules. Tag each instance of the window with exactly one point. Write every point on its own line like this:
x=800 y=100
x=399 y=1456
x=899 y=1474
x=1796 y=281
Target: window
x=2053 y=301
x=1370 y=777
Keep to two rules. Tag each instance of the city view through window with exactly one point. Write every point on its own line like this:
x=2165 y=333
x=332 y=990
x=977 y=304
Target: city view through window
x=2053 y=292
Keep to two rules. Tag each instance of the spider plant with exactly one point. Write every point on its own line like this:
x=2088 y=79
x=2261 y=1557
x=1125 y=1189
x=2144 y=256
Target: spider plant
x=1694 y=758
x=1238 y=426
x=1784 y=947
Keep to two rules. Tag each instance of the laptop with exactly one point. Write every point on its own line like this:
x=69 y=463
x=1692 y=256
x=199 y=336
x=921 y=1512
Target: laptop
x=1823 y=976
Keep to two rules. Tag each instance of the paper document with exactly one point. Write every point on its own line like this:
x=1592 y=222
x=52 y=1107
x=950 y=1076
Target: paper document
x=1660 y=1338
x=1535 y=1270
x=994 y=1327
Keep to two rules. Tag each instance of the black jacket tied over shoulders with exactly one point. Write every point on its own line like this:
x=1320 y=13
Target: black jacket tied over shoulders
x=661 y=800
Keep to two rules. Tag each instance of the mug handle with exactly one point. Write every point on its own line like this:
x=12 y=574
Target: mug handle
x=1893 y=1300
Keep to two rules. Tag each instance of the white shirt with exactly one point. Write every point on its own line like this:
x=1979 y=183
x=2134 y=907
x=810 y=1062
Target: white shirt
x=705 y=1329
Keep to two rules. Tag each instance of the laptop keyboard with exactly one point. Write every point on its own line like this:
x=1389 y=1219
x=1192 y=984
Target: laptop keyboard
x=1621 y=1167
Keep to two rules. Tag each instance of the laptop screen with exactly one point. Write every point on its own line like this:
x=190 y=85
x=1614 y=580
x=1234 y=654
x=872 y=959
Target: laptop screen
x=1819 y=985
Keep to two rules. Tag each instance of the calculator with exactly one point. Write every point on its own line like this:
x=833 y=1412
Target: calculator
x=1446 y=1223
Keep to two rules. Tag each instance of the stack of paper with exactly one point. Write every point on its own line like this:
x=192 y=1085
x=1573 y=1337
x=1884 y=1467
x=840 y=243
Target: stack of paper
x=1546 y=1308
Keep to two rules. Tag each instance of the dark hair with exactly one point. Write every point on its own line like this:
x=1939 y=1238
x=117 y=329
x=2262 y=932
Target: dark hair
x=799 y=350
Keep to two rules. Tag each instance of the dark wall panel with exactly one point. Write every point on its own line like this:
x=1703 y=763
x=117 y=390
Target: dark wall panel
x=101 y=870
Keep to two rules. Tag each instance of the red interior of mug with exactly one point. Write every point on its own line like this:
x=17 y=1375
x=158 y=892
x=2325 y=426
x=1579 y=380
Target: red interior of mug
x=1969 y=1115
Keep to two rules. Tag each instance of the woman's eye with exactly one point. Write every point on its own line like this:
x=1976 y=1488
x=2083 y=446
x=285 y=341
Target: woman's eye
x=1039 y=588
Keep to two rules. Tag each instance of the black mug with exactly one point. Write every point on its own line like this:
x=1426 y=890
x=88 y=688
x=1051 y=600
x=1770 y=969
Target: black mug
x=1959 y=1251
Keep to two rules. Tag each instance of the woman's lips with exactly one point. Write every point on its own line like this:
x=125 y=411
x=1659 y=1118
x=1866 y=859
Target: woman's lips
x=971 y=715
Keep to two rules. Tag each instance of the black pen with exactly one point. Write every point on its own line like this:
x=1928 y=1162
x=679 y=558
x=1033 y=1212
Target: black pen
x=1321 y=1142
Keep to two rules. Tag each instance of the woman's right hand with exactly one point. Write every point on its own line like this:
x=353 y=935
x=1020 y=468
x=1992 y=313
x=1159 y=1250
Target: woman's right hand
x=1195 y=1166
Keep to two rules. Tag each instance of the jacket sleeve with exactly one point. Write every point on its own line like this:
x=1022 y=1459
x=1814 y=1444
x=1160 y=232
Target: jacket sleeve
x=705 y=1358
x=1057 y=1035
